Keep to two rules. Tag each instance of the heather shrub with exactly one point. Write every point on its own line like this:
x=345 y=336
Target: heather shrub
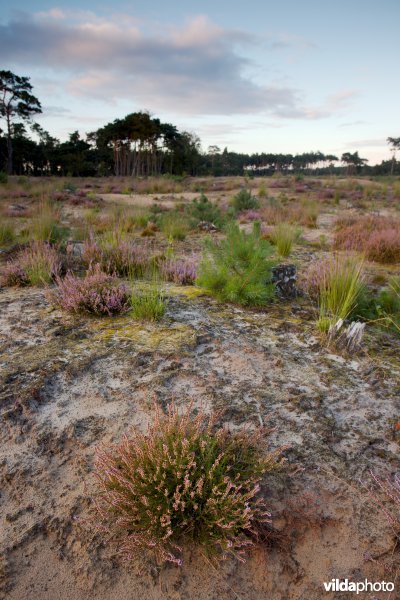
x=238 y=268
x=180 y=271
x=39 y=264
x=249 y=216
x=377 y=237
x=183 y=482
x=202 y=210
x=244 y=200
x=283 y=236
x=384 y=246
x=7 y=234
x=97 y=293
x=385 y=493
x=116 y=256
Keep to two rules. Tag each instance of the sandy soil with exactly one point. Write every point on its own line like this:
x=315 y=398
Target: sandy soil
x=69 y=384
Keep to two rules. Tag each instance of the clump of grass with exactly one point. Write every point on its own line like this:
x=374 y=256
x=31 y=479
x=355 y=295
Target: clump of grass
x=283 y=236
x=7 y=234
x=244 y=200
x=148 y=301
x=37 y=265
x=174 y=225
x=388 y=304
x=238 y=268
x=183 y=482
x=97 y=293
x=46 y=226
x=340 y=289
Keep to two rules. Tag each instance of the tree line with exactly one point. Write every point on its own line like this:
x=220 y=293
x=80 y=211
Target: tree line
x=140 y=145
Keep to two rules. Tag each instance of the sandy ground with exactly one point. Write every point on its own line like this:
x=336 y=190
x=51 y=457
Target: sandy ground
x=69 y=384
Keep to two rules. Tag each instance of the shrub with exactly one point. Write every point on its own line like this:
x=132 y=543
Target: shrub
x=148 y=302
x=377 y=237
x=339 y=290
x=202 y=210
x=180 y=271
x=7 y=234
x=116 y=256
x=238 y=268
x=283 y=236
x=249 y=215
x=37 y=265
x=182 y=482
x=97 y=293
x=3 y=177
x=244 y=201
x=384 y=246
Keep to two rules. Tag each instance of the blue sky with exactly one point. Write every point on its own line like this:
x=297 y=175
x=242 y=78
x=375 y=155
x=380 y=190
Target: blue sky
x=254 y=76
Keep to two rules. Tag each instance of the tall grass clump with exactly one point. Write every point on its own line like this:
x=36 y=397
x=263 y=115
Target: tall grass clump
x=37 y=265
x=340 y=288
x=182 y=483
x=388 y=304
x=97 y=293
x=238 y=268
x=244 y=200
x=46 y=226
x=148 y=301
x=283 y=236
x=7 y=234
x=174 y=225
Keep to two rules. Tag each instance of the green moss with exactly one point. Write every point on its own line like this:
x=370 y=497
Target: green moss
x=144 y=336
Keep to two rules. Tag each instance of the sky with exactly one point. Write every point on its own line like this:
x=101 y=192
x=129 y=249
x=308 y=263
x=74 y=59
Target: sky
x=253 y=76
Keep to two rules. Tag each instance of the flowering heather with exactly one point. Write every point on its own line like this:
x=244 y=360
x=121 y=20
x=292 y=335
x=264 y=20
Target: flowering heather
x=249 y=215
x=377 y=237
x=38 y=264
x=122 y=257
x=181 y=482
x=386 y=495
x=182 y=272
x=97 y=293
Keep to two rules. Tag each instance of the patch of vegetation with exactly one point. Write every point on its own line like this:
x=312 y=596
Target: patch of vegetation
x=244 y=200
x=37 y=265
x=182 y=482
x=97 y=293
x=340 y=287
x=7 y=234
x=148 y=302
x=238 y=268
x=202 y=210
x=283 y=236
x=174 y=225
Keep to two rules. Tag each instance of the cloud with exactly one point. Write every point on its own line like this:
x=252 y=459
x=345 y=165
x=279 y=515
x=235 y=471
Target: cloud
x=195 y=69
x=376 y=143
x=54 y=111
